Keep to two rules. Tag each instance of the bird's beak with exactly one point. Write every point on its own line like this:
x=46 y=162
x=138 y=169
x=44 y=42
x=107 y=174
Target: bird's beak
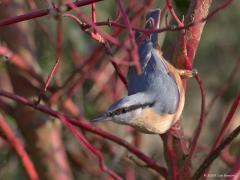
x=100 y=118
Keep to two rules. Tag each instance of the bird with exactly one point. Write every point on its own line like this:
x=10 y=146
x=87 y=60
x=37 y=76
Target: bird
x=156 y=96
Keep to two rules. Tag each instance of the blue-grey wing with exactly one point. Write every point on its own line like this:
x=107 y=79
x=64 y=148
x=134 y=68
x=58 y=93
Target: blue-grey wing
x=157 y=81
x=138 y=82
x=161 y=84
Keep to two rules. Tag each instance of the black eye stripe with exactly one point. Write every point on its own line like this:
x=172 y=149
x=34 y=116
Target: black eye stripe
x=128 y=109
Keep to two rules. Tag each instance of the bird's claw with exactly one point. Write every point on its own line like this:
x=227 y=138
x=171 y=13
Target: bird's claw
x=187 y=73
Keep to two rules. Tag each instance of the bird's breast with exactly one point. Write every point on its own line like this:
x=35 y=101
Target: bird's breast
x=150 y=122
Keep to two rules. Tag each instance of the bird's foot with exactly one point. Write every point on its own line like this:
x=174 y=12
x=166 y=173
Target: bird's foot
x=187 y=73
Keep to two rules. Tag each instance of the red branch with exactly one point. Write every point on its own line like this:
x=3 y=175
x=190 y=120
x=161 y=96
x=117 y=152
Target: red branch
x=213 y=155
x=226 y=123
x=48 y=80
x=94 y=19
x=93 y=35
x=84 y=142
x=58 y=57
x=183 y=31
x=119 y=72
x=18 y=147
x=215 y=11
x=196 y=17
x=198 y=130
x=96 y=29
x=51 y=74
x=170 y=155
x=89 y=62
x=134 y=51
x=168 y=3
x=149 y=162
x=201 y=120
x=42 y=12
x=99 y=38
x=80 y=138
x=85 y=126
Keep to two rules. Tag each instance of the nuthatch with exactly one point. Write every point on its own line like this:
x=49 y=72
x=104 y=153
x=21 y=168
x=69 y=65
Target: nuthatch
x=156 y=97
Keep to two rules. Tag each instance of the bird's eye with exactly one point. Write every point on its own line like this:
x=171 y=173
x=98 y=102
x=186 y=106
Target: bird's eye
x=150 y=23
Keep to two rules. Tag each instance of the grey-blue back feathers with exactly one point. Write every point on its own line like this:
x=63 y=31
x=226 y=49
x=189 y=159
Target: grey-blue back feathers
x=155 y=80
x=155 y=86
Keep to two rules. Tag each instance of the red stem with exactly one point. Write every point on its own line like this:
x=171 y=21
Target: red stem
x=184 y=40
x=226 y=123
x=94 y=35
x=18 y=147
x=201 y=120
x=58 y=56
x=84 y=142
x=213 y=155
x=172 y=12
x=89 y=62
x=99 y=32
x=42 y=12
x=170 y=155
x=51 y=74
x=101 y=40
x=94 y=19
x=119 y=72
x=48 y=81
x=134 y=51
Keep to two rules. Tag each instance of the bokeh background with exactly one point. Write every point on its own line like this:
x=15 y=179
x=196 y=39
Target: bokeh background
x=99 y=86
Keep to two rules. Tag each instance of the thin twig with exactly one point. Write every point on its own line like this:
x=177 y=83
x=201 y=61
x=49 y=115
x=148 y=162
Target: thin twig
x=213 y=155
x=170 y=155
x=198 y=130
x=226 y=123
x=44 y=89
x=201 y=120
x=84 y=142
x=119 y=72
x=105 y=44
x=96 y=29
x=43 y=12
x=93 y=35
x=134 y=51
x=18 y=147
x=94 y=19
